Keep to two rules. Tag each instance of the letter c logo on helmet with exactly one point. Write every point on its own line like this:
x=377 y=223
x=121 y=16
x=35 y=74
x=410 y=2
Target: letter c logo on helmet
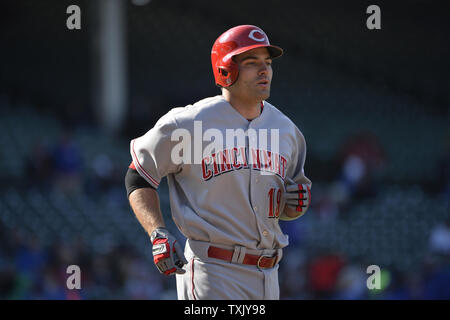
x=233 y=42
x=251 y=35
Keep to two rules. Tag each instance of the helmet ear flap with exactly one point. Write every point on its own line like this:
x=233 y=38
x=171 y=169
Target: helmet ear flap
x=226 y=76
x=223 y=72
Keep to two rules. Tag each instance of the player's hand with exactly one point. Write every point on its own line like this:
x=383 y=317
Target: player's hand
x=298 y=197
x=167 y=253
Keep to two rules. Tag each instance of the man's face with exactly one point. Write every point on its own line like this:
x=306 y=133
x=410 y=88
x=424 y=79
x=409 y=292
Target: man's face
x=255 y=75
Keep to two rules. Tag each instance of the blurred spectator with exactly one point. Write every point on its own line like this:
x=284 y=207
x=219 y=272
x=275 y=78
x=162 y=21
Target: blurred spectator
x=68 y=164
x=39 y=166
x=367 y=147
x=141 y=283
x=293 y=278
x=323 y=274
x=394 y=286
x=440 y=238
x=102 y=177
x=30 y=258
x=437 y=286
x=103 y=166
x=436 y=277
x=354 y=171
x=52 y=286
x=29 y=262
x=361 y=156
x=414 y=282
x=351 y=283
x=335 y=200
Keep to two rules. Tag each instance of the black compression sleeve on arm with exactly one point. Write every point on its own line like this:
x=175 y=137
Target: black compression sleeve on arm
x=133 y=181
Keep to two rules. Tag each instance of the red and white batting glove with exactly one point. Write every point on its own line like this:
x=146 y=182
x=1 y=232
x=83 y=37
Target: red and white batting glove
x=167 y=253
x=298 y=197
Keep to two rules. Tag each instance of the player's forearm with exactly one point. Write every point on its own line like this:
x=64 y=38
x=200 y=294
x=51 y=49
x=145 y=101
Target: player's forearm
x=145 y=205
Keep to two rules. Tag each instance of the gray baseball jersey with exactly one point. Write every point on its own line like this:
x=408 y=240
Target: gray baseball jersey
x=226 y=175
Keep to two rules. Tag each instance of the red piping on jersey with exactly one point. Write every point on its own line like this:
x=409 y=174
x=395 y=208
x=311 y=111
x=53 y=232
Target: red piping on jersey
x=141 y=168
x=192 y=277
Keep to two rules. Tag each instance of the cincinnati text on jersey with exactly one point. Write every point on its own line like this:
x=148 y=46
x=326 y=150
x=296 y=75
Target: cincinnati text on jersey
x=239 y=158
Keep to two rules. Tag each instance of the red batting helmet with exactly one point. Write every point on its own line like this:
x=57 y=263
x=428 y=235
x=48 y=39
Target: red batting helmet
x=233 y=42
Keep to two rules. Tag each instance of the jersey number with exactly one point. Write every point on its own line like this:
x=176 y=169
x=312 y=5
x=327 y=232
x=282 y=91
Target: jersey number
x=274 y=208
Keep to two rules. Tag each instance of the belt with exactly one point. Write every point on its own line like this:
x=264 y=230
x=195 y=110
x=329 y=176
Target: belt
x=262 y=262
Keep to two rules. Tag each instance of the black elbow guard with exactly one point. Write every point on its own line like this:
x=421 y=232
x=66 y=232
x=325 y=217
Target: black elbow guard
x=133 y=181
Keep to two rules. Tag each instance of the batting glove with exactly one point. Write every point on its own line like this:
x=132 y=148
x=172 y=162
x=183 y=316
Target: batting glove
x=298 y=197
x=167 y=253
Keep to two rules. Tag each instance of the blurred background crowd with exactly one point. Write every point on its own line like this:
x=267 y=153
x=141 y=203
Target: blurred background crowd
x=372 y=105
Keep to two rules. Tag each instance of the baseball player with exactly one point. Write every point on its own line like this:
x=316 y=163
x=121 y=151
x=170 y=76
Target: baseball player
x=234 y=166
